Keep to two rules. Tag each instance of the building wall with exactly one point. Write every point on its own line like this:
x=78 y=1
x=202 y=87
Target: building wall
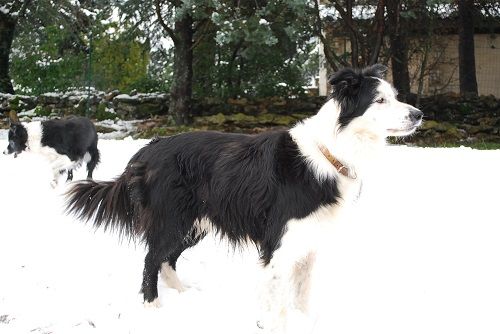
x=442 y=73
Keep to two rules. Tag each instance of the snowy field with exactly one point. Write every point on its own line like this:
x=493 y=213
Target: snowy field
x=419 y=254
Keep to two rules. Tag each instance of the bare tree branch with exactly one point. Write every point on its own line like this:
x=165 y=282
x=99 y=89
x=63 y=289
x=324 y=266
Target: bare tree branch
x=379 y=28
x=202 y=29
x=353 y=28
x=162 y=22
x=330 y=56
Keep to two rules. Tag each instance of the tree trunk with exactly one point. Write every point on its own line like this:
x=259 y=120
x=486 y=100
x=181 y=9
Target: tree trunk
x=7 y=28
x=181 y=90
x=378 y=31
x=352 y=35
x=398 y=49
x=466 y=58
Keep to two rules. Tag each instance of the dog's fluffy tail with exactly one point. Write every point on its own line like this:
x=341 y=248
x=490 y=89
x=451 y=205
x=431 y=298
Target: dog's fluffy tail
x=113 y=205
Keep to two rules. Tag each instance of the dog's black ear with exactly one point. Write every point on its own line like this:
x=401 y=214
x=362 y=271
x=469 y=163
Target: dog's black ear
x=377 y=70
x=346 y=82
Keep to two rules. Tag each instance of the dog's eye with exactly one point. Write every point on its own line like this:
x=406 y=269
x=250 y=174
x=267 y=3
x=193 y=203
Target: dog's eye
x=380 y=100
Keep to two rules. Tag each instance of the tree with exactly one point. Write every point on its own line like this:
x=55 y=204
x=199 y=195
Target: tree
x=181 y=34
x=398 y=47
x=10 y=14
x=365 y=34
x=466 y=58
x=262 y=50
x=51 y=50
x=248 y=48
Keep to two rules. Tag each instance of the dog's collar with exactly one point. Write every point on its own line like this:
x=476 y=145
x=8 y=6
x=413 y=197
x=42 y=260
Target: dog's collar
x=340 y=167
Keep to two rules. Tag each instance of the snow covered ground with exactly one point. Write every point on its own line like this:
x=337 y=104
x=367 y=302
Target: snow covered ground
x=420 y=254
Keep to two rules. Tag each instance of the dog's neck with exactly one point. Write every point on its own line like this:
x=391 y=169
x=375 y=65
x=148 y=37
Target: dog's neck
x=34 y=130
x=339 y=166
x=354 y=146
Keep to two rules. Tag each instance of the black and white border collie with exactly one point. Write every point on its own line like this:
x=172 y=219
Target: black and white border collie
x=66 y=143
x=280 y=190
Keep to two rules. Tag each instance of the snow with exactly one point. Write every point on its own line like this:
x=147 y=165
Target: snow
x=4 y=10
x=418 y=254
x=122 y=128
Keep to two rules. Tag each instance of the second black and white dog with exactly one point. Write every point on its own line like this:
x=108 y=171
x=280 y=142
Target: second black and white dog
x=66 y=143
x=279 y=190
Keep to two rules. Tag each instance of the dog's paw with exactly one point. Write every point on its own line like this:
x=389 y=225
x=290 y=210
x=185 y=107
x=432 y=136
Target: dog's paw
x=152 y=305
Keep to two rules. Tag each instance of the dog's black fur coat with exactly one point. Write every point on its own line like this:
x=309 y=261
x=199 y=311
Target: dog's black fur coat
x=247 y=186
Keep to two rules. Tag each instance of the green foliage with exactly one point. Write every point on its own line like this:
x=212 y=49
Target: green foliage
x=59 y=60
x=42 y=112
x=256 y=51
x=14 y=104
x=119 y=63
x=102 y=114
x=251 y=49
x=46 y=68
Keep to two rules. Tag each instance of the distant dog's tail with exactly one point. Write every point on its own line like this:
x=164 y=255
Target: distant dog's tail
x=113 y=205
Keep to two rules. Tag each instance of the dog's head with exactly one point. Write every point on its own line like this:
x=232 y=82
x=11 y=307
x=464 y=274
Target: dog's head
x=18 y=138
x=368 y=102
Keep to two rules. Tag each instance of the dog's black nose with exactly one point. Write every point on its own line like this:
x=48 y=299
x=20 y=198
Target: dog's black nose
x=416 y=115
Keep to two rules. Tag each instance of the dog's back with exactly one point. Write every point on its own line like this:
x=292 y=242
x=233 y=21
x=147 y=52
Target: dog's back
x=72 y=136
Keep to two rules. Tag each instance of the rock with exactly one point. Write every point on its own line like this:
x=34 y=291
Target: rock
x=242 y=102
x=427 y=125
x=104 y=129
x=217 y=119
x=111 y=95
x=241 y=118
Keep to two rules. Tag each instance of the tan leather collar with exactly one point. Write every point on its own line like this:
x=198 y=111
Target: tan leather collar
x=336 y=163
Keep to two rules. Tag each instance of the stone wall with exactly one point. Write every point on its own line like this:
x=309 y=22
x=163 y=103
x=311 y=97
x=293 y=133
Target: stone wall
x=101 y=105
x=451 y=118
x=448 y=118
x=141 y=106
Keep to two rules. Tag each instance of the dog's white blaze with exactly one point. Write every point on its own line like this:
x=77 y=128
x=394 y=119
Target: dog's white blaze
x=390 y=115
x=169 y=276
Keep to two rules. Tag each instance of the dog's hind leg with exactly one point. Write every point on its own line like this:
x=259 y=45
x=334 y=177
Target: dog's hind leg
x=168 y=268
x=150 y=278
x=161 y=245
x=94 y=160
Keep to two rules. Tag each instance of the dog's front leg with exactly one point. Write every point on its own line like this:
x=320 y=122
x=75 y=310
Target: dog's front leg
x=274 y=299
x=285 y=291
x=55 y=178
x=58 y=164
x=284 y=297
